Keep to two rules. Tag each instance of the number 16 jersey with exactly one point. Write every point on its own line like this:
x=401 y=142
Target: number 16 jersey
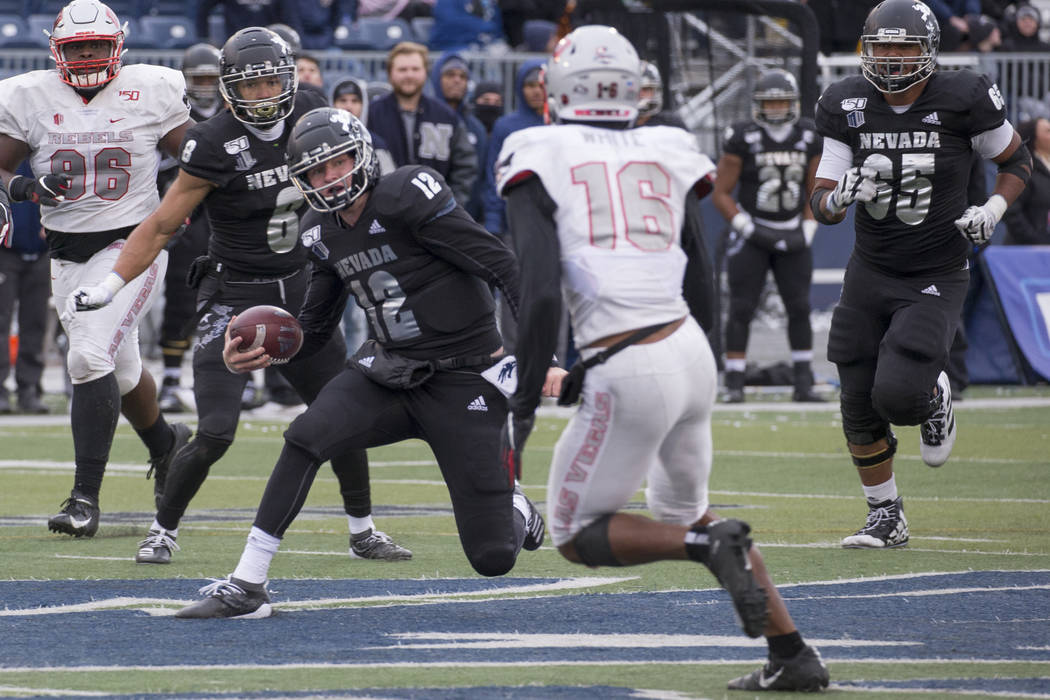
x=620 y=199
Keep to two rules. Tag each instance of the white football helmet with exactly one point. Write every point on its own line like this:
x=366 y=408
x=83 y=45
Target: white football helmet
x=652 y=102
x=593 y=76
x=80 y=21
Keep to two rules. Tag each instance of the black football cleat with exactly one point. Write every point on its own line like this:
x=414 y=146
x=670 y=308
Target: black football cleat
x=78 y=517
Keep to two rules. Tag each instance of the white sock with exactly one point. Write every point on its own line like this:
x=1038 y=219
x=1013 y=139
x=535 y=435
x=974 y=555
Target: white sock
x=160 y=528
x=801 y=355
x=886 y=491
x=359 y=525
x=254 y=566
x=736 y=364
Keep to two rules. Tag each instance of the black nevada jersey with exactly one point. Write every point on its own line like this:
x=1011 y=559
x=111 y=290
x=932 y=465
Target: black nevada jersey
x=923 y=160
x=772 y=182
x=418 y=265
x=254 y=211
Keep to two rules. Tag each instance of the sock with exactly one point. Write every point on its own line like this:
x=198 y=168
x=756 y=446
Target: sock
x=254 y=566
x=801 y=356
x=158 y=438
x=172 y=376
x=93 y=412
x=698 y=544
x=785 y=646
x=160 y=528
x=359 y=525
x=880 y=493
x=736 y=364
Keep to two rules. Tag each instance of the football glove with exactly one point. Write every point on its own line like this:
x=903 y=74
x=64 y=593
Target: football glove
x=90 y=298
x=978 y=223
x=856 y=185
x=48 y=190
x=6 y=232
x=809 y=230
x=512 y=441
x=743 y=224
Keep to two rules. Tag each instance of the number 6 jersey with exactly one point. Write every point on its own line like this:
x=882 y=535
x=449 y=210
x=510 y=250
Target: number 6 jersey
x=108 y=146
x=620 y=199
x=923 y=159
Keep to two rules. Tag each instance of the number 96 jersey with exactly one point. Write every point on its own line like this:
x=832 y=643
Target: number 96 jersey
x=922 y=159
x=620 y=199
x=108 y=146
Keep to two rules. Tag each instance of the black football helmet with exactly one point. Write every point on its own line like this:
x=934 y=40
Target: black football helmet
x=200 y=67
x=321 y=135
x=908 y=22
x=778 y=85
x=290 y=36
x=251 y=54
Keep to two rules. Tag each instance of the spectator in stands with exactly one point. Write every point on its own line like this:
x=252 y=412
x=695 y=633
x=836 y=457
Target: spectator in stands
x=984 y=35
x=25 y=277
x=419 y=129
x=258 y=13
x=516 y=13
x=320 y=18
x=467 y=24
x=955 y=18
x=1028 y=218
x=1021 y=32
x=451 y=82
x=840 y=22
x=309 y=70
x=531 y=99
x=488 y=105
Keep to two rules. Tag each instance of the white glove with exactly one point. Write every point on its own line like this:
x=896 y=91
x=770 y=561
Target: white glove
x=89 y=298
x=743 y=224
x=978 y=223
x=809 y=230
x=856 y=185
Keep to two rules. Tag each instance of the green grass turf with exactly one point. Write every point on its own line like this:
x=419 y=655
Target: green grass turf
x=786 y=473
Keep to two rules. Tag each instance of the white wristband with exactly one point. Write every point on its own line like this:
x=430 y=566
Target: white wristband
x=113 y=283
x=996 y=205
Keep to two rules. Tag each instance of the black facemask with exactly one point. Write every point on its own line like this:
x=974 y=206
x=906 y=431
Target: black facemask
x=488 y=114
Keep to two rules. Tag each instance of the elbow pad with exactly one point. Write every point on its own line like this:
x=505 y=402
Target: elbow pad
x=1019 y=164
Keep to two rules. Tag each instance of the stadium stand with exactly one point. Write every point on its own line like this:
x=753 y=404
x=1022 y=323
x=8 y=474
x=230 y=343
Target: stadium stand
x=373 y=34
x=167 y=31
x=37 y=25
x=14 y=33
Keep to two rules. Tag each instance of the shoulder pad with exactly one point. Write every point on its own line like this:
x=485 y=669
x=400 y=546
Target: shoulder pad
x=845 y=95
x=412 y=194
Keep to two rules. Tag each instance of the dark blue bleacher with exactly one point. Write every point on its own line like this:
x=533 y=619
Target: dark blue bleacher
x=373 y=34
x=165 y=32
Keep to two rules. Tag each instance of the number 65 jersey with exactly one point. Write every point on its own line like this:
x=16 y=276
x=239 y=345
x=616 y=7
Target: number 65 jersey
x=922 y=158
x=108 y=146
x=620 y=199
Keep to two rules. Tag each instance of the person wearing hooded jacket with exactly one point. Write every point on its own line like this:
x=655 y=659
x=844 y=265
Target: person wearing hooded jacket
x=450 y=79
x=531 y=99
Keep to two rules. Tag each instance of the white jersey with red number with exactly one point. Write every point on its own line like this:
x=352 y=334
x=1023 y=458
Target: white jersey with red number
x=621 y=202
x=108 y=146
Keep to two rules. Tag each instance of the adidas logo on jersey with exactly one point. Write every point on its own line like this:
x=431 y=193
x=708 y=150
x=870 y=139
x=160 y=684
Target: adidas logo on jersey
x=478 y=404
x=932 y=291
x=931 y=118
x=375 y=228
x=367 y=361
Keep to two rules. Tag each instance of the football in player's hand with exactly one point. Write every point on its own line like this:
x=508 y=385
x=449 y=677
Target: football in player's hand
x=271 y=328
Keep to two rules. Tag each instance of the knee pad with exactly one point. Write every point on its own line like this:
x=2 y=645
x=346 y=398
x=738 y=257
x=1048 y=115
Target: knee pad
x=87 y=366
x=128 y=371
x=853 y=338
x=861 y=423
x=592 y=544
x=492 y=559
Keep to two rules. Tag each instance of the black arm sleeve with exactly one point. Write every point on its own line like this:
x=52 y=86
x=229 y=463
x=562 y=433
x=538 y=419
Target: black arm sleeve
x=530 y=213
x=322 y=310
x=698 y=287
x=457 y=238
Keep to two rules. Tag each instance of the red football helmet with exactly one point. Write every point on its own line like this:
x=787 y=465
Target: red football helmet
x=87 y=21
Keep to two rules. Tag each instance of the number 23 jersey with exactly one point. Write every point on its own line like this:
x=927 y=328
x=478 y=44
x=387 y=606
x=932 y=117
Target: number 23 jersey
x=107 y=146
x=923 y=160
x=620 y=199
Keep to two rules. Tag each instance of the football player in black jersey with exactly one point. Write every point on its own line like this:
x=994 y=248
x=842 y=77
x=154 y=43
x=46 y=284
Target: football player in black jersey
x=898 y=142
x=200 y=67
x=421 y=268
x=234 y=163
x=773 y=158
